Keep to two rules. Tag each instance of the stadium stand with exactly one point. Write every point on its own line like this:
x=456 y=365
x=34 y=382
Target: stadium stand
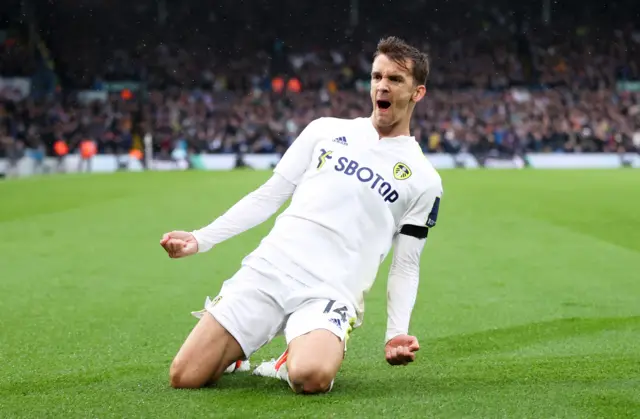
x=505 y=83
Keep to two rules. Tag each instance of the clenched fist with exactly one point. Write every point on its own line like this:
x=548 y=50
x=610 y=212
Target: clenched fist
x=401 y=350
x=179 y=244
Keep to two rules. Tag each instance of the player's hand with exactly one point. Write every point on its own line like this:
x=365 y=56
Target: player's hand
x=401 y=350
x=179 y=244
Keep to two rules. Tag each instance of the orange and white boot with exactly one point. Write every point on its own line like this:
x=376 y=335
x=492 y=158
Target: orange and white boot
x=276 y=368
x=238 y=366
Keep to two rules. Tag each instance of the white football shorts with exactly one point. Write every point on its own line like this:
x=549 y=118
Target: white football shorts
x=260 y=302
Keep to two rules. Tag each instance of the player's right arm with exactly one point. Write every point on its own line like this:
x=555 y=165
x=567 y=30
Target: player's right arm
x=256 y=207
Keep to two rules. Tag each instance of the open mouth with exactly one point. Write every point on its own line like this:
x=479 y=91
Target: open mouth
x=383 y=104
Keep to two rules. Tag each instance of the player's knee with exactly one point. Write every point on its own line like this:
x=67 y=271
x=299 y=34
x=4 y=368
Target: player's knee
x=310 y=377
x=178 y=374
x=181 y=377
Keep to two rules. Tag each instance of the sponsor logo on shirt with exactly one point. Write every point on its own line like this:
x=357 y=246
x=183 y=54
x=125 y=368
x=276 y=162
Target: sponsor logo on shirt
x=324 y=156
x=368 y=176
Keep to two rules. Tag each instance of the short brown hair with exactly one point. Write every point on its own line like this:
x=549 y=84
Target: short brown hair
x=399 y=51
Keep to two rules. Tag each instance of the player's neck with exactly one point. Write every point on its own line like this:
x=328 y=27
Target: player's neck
x=402 y=128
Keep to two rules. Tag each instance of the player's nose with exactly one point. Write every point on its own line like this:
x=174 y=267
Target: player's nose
x=383 y=87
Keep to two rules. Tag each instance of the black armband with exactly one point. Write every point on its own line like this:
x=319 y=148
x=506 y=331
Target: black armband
x=419 y=232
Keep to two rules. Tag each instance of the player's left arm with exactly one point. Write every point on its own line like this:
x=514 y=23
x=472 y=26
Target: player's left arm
x=404 y=275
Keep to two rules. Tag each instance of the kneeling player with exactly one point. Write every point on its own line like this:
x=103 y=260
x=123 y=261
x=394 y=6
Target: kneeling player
x=358 y=187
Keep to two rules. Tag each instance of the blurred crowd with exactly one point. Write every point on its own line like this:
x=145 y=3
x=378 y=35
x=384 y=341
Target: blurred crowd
x=498 y=85
x=477 y=121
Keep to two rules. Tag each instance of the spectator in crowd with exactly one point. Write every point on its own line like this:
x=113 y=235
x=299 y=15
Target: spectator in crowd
x=497 y=87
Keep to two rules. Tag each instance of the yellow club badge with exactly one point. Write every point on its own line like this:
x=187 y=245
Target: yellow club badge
x=401 y=171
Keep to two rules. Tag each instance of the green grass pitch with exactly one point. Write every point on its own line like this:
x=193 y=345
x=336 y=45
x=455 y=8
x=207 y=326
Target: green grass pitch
x=529 y=305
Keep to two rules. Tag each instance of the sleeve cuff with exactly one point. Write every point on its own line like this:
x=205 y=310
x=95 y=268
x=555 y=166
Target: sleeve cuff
x=392 y=334
x=203 y=246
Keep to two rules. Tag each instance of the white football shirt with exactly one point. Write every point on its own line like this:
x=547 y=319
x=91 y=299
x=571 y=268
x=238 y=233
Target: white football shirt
x=354 y=192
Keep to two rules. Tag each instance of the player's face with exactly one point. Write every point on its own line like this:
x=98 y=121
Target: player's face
x=393 y=91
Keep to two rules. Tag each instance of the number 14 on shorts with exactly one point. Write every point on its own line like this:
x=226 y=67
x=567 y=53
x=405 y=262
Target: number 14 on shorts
x=341 y=311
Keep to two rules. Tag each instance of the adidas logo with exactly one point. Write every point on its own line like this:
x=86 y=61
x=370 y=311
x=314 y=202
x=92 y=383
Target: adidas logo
x=336 y=322
x=341 y=140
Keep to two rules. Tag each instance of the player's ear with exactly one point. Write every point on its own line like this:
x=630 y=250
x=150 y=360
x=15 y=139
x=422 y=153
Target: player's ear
x=419 y=93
